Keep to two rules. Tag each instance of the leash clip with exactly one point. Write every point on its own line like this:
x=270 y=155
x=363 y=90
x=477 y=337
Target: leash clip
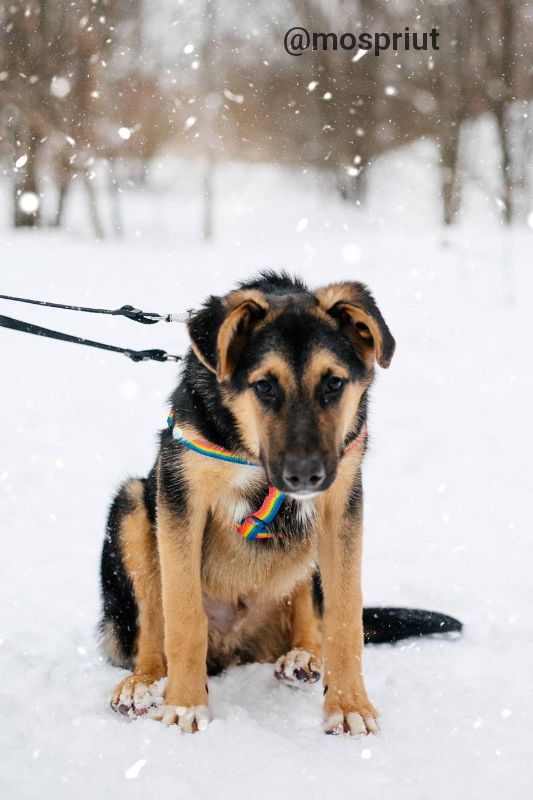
x=137 y=315
x=151 y=355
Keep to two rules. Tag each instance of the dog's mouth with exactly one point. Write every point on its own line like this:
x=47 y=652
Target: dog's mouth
x=301 y=496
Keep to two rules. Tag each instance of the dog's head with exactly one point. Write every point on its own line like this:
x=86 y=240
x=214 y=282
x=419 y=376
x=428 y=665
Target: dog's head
x=293 y=367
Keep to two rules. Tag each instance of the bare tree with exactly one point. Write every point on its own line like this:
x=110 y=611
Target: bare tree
x=212 y=102
x=53 y=59
x=74 y=75
x=452 y=91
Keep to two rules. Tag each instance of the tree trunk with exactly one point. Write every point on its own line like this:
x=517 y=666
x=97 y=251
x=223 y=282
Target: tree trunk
x=60 y=208
x=26 y=183
x=210 y=119
x=93 y=206
x=114 y=191
x=207 y=187
x=503 y=119
x=449 y=153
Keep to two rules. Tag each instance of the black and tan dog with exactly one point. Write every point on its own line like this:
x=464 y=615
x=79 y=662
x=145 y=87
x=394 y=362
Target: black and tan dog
x=272 y=404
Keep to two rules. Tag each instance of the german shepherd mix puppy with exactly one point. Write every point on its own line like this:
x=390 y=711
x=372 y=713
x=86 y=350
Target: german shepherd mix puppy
x=277 y=378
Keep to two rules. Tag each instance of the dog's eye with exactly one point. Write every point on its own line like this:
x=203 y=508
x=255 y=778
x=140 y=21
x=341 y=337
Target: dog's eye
x=264 y=388
x=333 y=387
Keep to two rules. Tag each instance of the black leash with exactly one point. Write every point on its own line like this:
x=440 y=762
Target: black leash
x=146 y=317
x=135 y=314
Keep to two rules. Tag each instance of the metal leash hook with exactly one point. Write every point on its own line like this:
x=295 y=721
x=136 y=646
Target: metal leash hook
x=150 y=318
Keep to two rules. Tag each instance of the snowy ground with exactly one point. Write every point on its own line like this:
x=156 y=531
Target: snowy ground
x=448 y=521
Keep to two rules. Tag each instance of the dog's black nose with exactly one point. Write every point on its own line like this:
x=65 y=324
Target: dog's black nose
x=303 y=474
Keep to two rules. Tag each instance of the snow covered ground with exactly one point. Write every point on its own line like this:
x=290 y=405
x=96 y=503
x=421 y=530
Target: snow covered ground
x=448 y=487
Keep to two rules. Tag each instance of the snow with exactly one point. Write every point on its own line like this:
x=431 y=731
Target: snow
x=447 y=492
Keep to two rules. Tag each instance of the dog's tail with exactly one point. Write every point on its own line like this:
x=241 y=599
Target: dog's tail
x=382 y=625
x=392 y=624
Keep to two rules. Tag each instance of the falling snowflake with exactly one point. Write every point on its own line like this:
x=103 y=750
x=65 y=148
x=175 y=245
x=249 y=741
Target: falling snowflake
x=134 y=770
x=351 y=253
x=29 y=202
x=59 y=86
x=235 y=98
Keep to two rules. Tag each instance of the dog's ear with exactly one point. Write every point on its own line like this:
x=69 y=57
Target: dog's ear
x=203 y=327
x=220 y=330
x=352 y=305
x=245 y=310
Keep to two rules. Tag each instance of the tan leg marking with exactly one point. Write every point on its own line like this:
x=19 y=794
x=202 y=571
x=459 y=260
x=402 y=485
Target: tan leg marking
x=302 y=663
x=137 y=693
x=180 y=547
x=347 y=708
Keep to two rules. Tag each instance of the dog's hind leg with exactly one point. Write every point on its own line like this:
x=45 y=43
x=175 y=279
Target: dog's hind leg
x=302 y=663
x=136 y=693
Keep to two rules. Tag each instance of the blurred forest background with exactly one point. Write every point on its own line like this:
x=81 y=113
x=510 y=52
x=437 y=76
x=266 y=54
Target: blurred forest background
x=91 y=91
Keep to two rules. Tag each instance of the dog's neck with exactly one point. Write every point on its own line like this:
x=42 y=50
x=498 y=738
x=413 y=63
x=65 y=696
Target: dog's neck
x=198 y=402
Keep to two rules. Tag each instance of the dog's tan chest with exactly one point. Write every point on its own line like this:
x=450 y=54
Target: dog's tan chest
x=233 y=567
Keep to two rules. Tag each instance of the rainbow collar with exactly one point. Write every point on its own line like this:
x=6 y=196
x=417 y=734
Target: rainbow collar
x=255 y=526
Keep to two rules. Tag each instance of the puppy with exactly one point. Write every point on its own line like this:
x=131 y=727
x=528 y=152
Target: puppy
x=244 y=542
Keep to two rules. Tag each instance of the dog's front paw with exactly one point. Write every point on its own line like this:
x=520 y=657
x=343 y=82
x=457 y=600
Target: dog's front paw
x=357 y=719
x=189 y=718
x=298 y=667
x=135 y=695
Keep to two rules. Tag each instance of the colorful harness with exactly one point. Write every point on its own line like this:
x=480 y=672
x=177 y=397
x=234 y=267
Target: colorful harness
x=255 y=526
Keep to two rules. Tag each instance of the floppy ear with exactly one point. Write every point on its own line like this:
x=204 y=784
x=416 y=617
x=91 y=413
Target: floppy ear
x=219 y=331
x=203 y=328
x=360 y=318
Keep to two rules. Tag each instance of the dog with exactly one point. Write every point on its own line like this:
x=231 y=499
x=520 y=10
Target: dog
x=243 y=544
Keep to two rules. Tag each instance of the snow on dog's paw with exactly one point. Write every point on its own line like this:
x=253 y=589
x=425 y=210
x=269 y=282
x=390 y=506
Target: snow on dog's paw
x=351 y=722
x=189 y=718
x=135 y=695
x=298 y=667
